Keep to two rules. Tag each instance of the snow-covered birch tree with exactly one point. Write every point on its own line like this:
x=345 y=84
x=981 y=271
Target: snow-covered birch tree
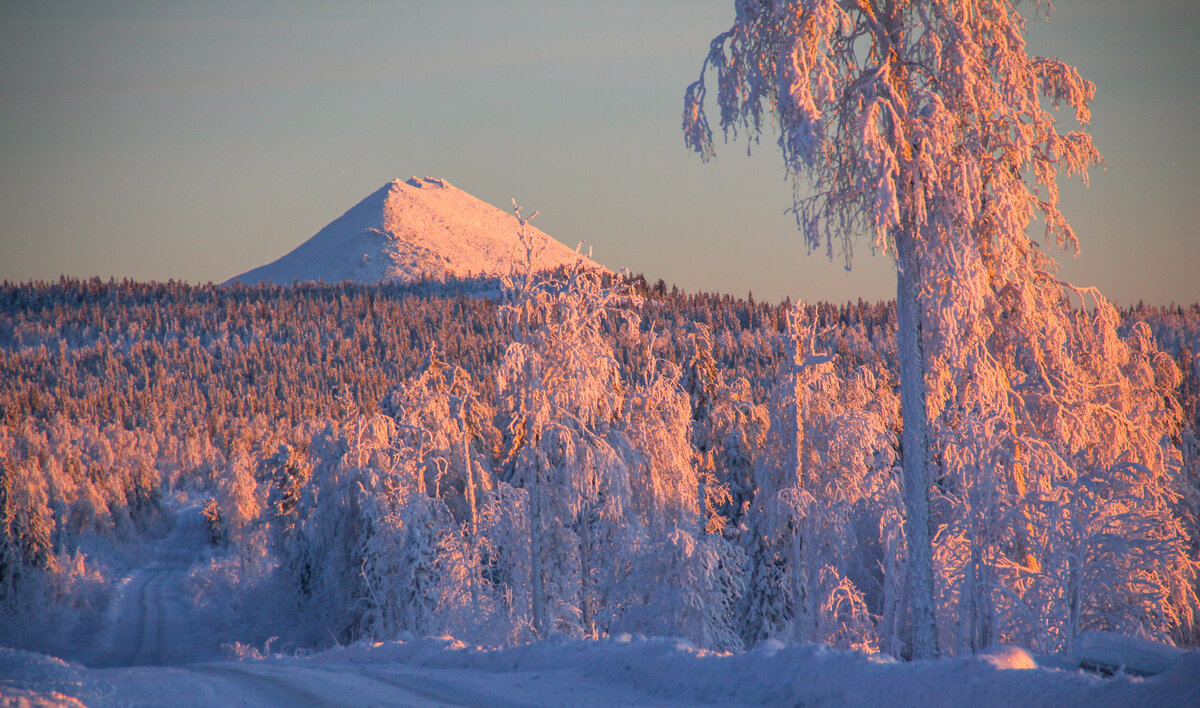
x=929 y=126
x=426 y=550
x=561 y=389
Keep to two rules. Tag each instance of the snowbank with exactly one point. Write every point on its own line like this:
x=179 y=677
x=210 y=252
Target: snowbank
x=775 y=674
x=1109 y=652
x=623 y=670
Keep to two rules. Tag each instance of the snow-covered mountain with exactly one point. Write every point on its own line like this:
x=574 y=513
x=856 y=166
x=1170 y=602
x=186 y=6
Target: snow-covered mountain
x=408 y=229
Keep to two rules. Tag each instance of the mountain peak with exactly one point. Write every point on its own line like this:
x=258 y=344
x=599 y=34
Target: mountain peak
x=422 y=227
x=422 y=182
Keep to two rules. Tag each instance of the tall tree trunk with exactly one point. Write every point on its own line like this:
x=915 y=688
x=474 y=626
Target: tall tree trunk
x=795 y=412
x=585 y=575
x=535 y=550
x=798 y=351
x=473 y=541
x=913 y=414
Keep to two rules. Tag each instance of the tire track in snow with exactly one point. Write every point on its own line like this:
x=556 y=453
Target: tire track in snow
x=267 y=690
x=426 y=690
x=149 y=638
x=322 y=686
x=126 y=651
x=144 y=625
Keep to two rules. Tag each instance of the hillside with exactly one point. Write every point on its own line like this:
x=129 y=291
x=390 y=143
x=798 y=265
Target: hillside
x=412 y=229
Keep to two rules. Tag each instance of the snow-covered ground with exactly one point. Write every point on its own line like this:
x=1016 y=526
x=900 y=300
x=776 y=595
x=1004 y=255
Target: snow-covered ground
x=621 y=671
x=150 y=621
x=152 y=652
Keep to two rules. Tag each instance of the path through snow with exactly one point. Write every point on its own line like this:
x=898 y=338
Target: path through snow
x=149 y=623
x=151 y=650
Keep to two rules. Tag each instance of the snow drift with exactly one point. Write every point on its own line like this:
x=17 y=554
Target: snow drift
x=624 y=670
x=411 y=229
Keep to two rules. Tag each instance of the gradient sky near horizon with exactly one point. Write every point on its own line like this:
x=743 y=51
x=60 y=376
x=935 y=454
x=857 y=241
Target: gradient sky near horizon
x=198 y=140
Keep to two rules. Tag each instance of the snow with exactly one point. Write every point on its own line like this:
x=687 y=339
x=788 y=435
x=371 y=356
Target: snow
x=156 y=648
x=1108 y=651
x=1008 y=656
x=1010 y=396
x=149 y=621
x=407 y=230
x=622 y=670
x=152 y=626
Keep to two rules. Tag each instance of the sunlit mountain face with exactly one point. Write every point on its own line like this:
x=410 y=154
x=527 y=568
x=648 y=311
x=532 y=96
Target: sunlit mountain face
x=413 y=229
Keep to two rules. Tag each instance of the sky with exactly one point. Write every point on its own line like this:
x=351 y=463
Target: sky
x=195 y=141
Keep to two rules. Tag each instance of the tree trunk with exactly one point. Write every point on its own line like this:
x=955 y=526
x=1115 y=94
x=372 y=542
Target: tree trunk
x=798 y=353
x=585 y=575
x=473 y=541
x=535 y=550
x=802 y=617
x=916 y=482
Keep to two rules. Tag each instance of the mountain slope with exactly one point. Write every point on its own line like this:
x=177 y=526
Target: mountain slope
x=408 y=229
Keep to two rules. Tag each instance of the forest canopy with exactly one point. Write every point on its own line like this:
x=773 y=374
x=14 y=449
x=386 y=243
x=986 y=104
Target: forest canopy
x=382 y=460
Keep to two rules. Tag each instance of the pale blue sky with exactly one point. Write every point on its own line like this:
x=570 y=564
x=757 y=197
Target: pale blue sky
x=198 y=140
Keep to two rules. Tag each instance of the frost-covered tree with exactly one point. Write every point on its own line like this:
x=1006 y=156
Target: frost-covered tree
x=561 y=388
x=823 y=522
x=685 y=585
x=928 y=125
x=1098 y=540
x=728 y=431
x=616 y=532
x=338 y=523
x=25 y=526
x=685 y=577
x=424 y=560
x=240 y=501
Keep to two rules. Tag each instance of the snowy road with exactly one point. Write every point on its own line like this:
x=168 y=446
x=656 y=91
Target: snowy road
x=303 y=682
x=147 y=624
x=610 y=672
x=288 y=683
x=152 y=652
